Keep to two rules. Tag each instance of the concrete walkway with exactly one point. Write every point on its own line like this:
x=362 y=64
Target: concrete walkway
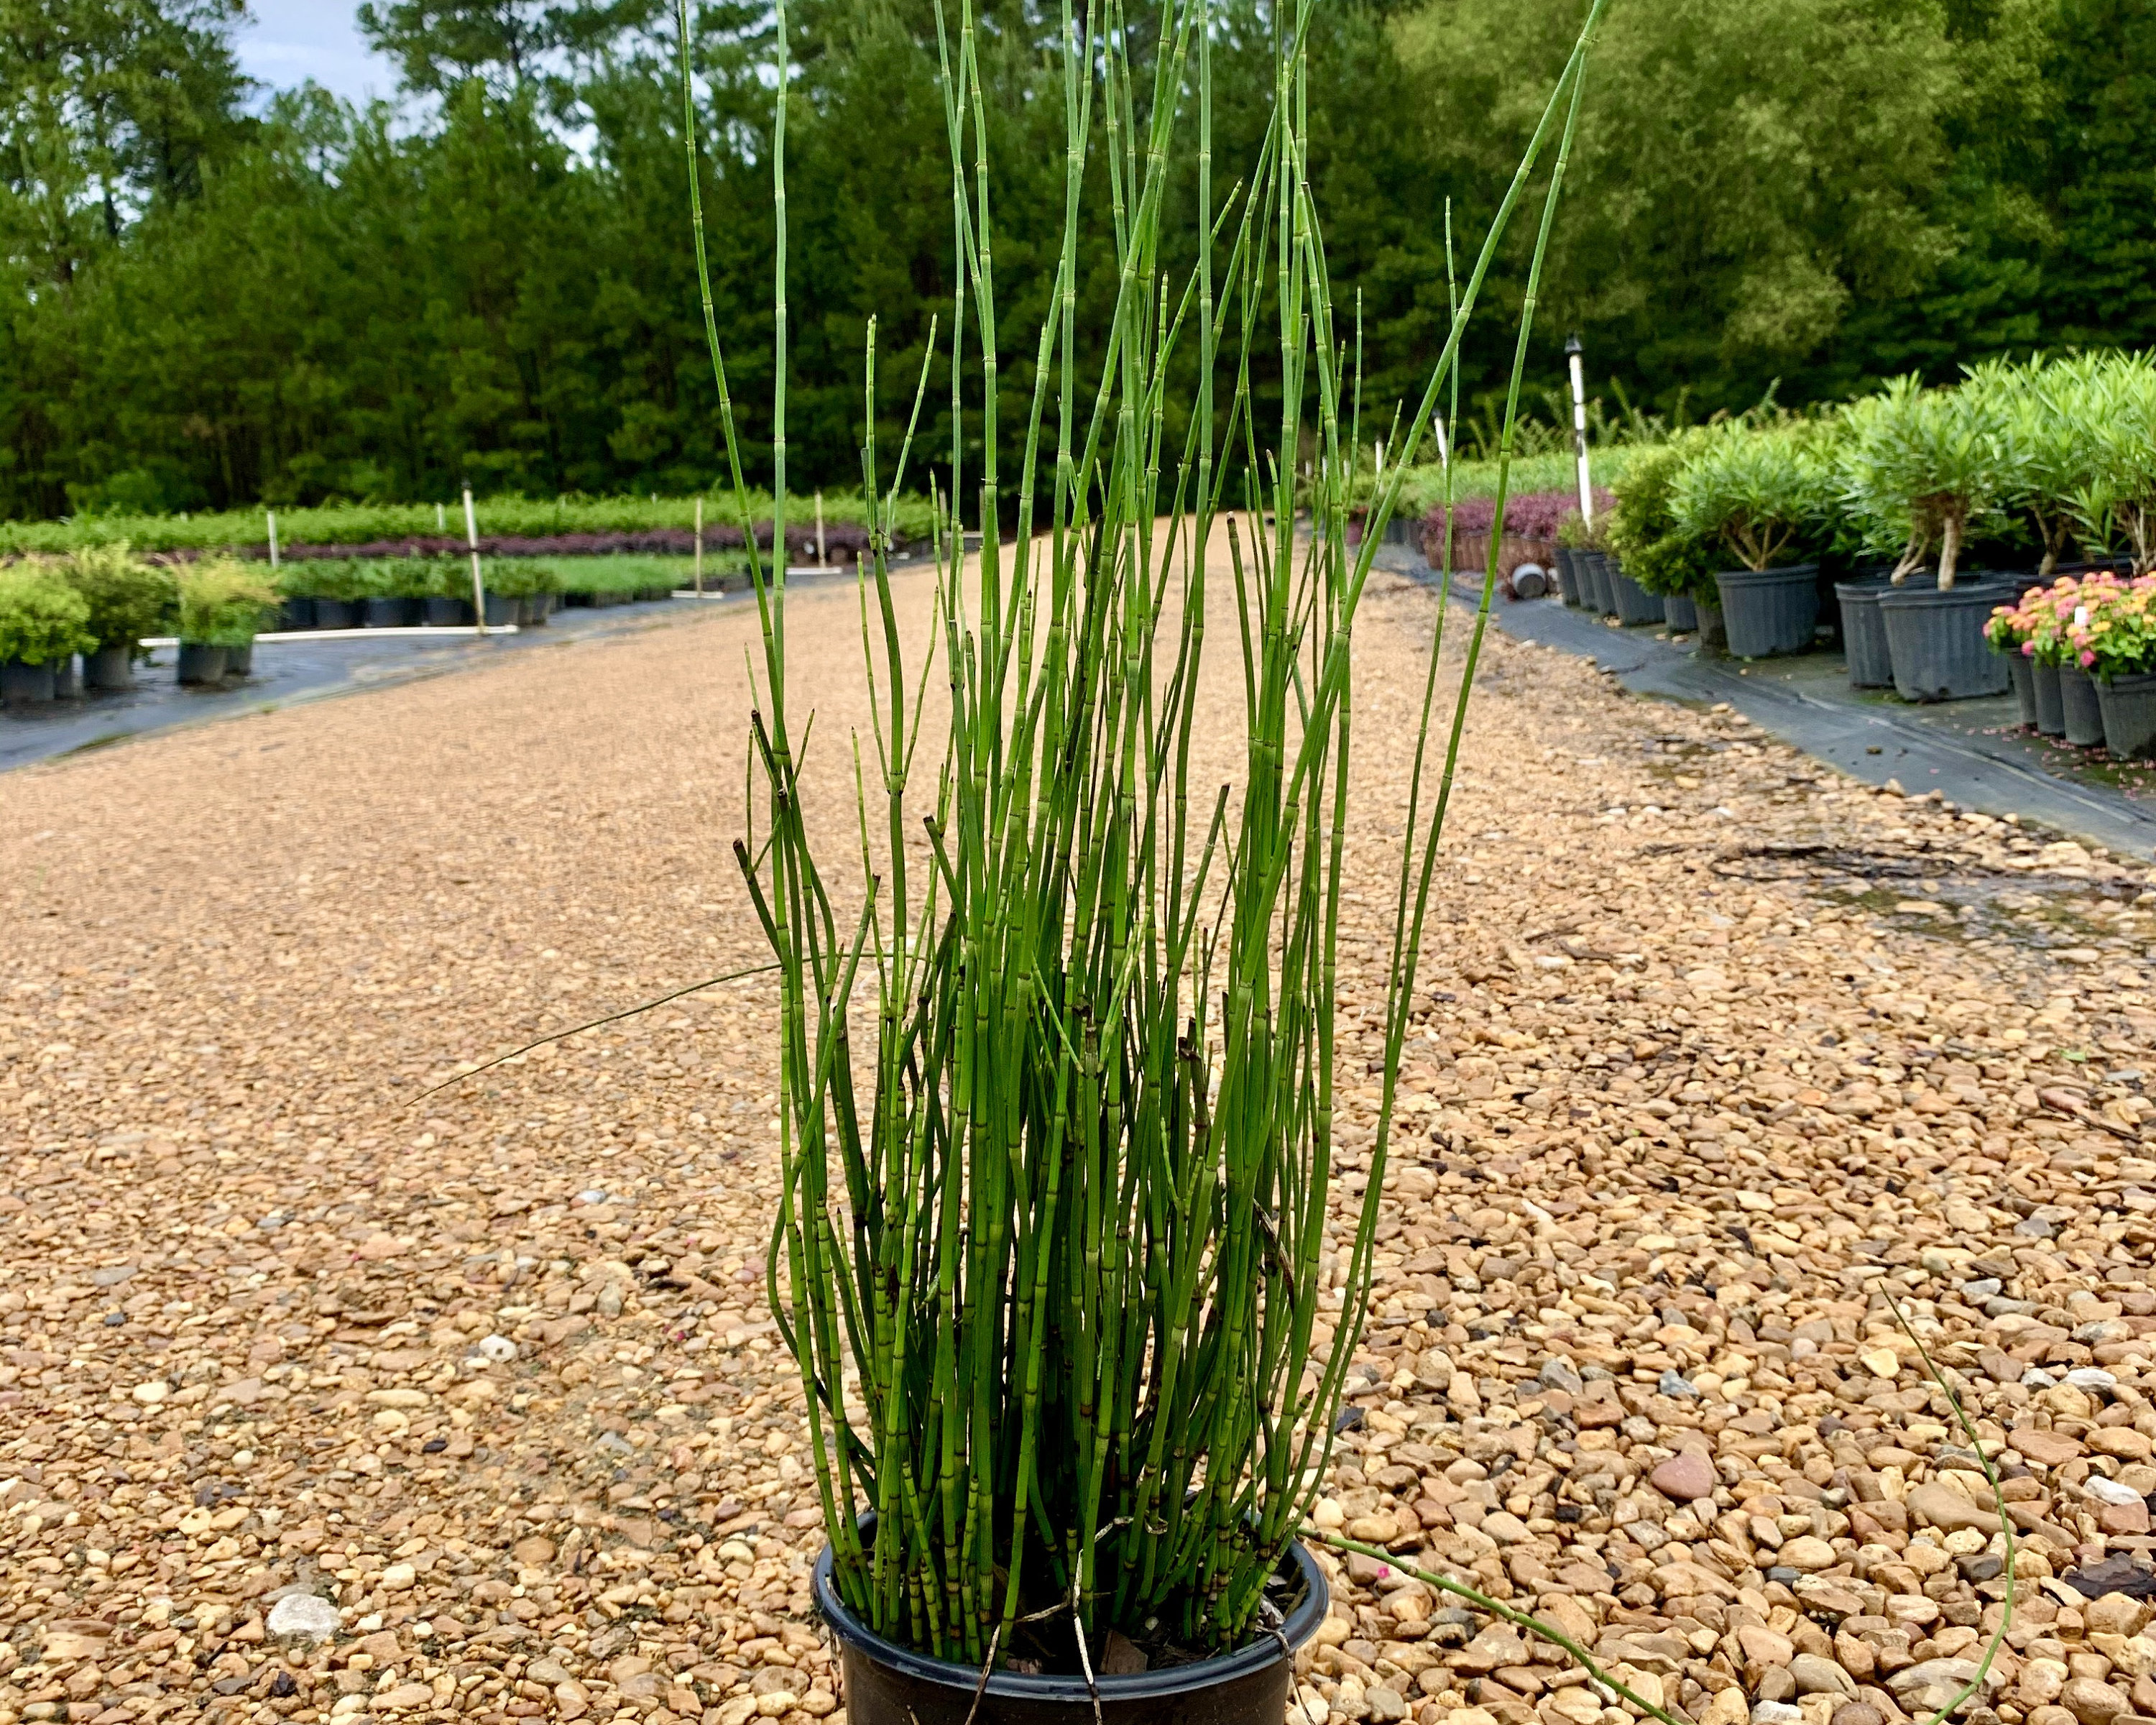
x=1974 y=752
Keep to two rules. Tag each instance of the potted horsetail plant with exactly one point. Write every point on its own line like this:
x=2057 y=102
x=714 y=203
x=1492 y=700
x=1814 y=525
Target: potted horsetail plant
x=1758 y=491
x=1056 y=1285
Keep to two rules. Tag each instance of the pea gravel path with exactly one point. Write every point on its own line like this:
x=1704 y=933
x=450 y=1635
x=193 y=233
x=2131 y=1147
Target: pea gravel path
x=1718 y=1047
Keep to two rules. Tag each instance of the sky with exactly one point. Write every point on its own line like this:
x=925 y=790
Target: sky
x=291 y=41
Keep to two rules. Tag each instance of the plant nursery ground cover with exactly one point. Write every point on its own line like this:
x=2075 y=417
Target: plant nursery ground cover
x=1719 y=1045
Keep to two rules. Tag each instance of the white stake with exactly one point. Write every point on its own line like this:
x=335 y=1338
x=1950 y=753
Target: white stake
x=1579 y=432
x=822 y=562
x=272 y=515
x=441 y=519
x=478 y=585
x=1444 y=443
x=700 y=544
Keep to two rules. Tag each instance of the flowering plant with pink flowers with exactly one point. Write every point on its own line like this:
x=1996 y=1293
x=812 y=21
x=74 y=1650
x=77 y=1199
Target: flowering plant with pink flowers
x=2038 y=627
x=2112 y=631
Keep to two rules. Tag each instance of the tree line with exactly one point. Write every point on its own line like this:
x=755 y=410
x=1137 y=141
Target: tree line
x=211 y=295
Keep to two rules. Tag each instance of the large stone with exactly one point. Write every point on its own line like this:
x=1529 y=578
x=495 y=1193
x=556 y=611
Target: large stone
x=1808 y=1554
x=1686 y=1477
x=2046 y=1449
x=2093 y=1701
x=306 y=1616
x=1943 y=1507
x=1763 y=1646
x=1816 y=1675
x=2115 y=1614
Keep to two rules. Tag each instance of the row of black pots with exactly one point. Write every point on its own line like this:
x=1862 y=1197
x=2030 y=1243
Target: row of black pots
x=2117 y=714
x=1595 y=581
x=528 y=610
x=1924 y=644
x=105 y=670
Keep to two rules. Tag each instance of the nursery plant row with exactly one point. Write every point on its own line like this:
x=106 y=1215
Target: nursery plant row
x=509 y=526
x=1959 y=541
x=78 y=624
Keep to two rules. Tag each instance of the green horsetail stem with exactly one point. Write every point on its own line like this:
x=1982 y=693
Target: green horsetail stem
x=1059 y=1307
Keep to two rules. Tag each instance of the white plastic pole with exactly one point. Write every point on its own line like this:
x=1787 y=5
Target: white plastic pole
x=478 y=585
x=822 y=562
x=1443 y=443
x=700 y=544
x=1580 y=433
x=272 y=515
x=441 y=519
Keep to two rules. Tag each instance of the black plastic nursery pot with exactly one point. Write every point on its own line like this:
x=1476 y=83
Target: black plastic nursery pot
x=335 y=613
x=296 y=613
x=2050 y=708
x=200 y=664
x=501 y=611
x=1712 y=632
x=239 y=661
x=2020 y=668
x=2084 y=712
x=1633 y=603
x=887 y=1684
x=1765 y=612
x=1679 y=614
x=109 y=669
x=1594 y=582
x=1568 y=576
x=1936 y=640
x=67 y=679
x=447 y=613
x=2129 y=715
x=22 y=683
x=385 y=612
x=1864 y=634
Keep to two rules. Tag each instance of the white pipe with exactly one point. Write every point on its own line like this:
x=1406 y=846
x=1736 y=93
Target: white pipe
x=1579 y=438
x=272 y=515
x=478 y=585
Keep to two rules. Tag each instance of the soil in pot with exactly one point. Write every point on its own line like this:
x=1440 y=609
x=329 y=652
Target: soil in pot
x=200 y=663
x=1679 y=614
x=2024 y=673
x=1935 y=640
x=335 y=613
x=2129 y=715
x=1633 y=603
x=887 y=1684
x=22 y=684
x=1765 y=612
x=2050 y=709
x=109 y=669
x=1864 y=634
x=2084 y=713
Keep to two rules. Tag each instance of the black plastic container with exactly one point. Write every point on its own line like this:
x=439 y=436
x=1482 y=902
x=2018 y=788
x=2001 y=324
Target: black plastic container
x=296 y=613
x=23 y=684
x=109 y=669
x=501 y=612
x=887 y=1684
x=1679 y=614
x=447 y=613
x=335 y=613
x=200 y=663
x=2084 y=712
x=1935 y=640
x=387 y=612
x=1864 y=634
x=1568 y=576
x=239 y=661
x=1594 y=582
x=2129 y=715
x=2024 y=673
x=1765 y=612
x=67 y=679
x=2050 y=708
x=1633 y=603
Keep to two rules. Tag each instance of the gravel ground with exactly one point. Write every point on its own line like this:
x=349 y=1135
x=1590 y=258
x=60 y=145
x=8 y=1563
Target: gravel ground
x=318 y=1404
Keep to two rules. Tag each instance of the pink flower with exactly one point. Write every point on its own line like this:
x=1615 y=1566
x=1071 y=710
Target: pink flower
x=2087 y=658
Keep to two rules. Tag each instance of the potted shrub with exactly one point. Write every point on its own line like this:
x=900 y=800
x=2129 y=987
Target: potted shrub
x=339 y=587
x=223 y=605
x=1571 y=542
x=1757 y=492
x=1064 y=1387
x=2043 y=411
x=2011 y=633
x=128 y=600
x=1657 y=553
x=44 y=623
x=2111 y=644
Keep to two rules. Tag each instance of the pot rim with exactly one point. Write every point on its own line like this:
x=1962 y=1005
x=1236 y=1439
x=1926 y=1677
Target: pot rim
x=1254 y=1656
x=1792 y=572
x=1985 y=590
